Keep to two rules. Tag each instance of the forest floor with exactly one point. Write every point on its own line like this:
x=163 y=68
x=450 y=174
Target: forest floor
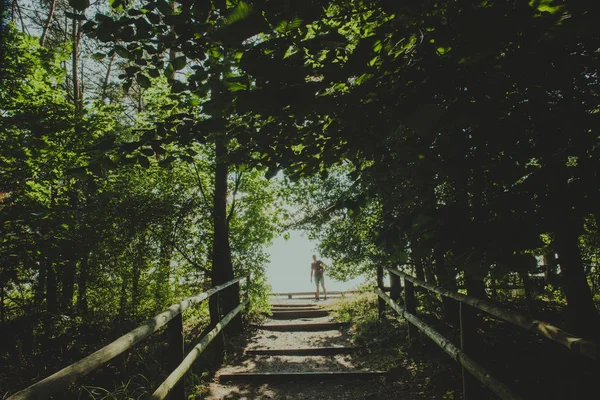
x=405 y=381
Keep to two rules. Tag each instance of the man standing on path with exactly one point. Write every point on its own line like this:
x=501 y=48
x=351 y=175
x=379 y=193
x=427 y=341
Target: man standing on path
x=316 y=270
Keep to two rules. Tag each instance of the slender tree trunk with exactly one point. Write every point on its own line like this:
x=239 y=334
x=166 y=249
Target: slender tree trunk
x=528 y=288
x=51 y=290
x=107 y=76
x=475 y=287
x=419 y=271
x=580 y=305
x=162 y=291
x=2 y=312
x=135 y=282
x=68 y=285
x=222 y=269
x=123 y=312
x=48 y=22
x=76 y=38
x=429 y=275
x=447 y=280
x=82 y=302
x=493 y=286
x=40 y=289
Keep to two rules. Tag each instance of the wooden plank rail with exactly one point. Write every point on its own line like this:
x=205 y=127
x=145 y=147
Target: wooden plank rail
x=472 y=372
x=576 y=344
x=499 y=388
x=70 y=374
x=167 y=386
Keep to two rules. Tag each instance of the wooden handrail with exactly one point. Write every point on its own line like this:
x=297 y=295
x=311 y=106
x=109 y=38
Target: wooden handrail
x=574 y=343
x=457 y=354
x=163 y=390
x=70 y=374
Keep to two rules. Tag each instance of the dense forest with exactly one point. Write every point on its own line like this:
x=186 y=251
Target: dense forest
x=152 y=149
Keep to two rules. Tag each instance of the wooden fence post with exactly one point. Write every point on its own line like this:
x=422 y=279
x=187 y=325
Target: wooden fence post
x=380 y=301
x=176 y=353
x=472 y=389
x=410 y=304
x=395 y=287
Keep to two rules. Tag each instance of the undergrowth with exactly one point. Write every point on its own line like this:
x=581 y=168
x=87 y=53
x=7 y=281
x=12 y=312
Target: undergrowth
x=419 y=367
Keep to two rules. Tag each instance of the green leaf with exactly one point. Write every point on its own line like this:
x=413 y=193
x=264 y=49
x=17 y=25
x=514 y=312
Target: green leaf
x=117 y=4
x=98 y=56
x=147 y=152
x=548 y=6
x=79 y=5
x=178 y=87
x=80 y=172
x=235 y=86
x=143 y=81
x=143 y=161
x=122 y=52
x=169 y=70
x=130 y=71
x=127 y=84
x=164 y=7
x=167 y=161
x=77 y=17
x=240 y=12
x=179 y=63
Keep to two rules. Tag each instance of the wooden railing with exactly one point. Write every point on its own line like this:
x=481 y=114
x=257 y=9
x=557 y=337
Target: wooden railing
x=173 y=320
x=467 y=313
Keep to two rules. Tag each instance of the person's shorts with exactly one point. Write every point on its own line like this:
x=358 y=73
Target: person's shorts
x=319 y=279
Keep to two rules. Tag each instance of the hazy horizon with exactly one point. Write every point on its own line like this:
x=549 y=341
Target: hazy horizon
x=289 y=269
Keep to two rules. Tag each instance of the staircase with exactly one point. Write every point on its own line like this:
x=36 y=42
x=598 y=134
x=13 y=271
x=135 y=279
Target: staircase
x=299 y=353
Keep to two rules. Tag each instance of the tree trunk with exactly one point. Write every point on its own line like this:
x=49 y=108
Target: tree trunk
x=447 y=280
x=77 y=98
x=68 y=285
x=429 y=275
x=135 y=281
x=51 y=290
x=40 y=289
x=2 y=316
x=222 y=268
x=162 y=290
x=82 y=302
x=528 y=287
x=419 y=271
x=123 y=312
x=580 y=305
x=107 y=76
x=475 y=287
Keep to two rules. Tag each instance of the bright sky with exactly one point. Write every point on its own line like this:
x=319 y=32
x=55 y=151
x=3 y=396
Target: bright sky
x=289 y=270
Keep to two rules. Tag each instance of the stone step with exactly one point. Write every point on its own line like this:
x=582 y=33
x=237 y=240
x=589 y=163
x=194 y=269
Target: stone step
x=309 y=351
x=284 y=305
x=299 y=314
x=316 y=326
x=298 y=376
x=295 y=309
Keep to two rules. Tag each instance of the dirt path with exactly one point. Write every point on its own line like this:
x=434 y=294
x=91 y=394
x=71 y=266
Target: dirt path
x=322 y=384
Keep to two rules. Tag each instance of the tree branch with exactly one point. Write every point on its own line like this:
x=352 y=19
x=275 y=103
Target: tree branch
x=201 y=186
x=47 y=25
x=238 y=181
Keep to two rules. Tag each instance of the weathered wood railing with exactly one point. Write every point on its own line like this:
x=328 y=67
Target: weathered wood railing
x=467 y=307
x=173 y=320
